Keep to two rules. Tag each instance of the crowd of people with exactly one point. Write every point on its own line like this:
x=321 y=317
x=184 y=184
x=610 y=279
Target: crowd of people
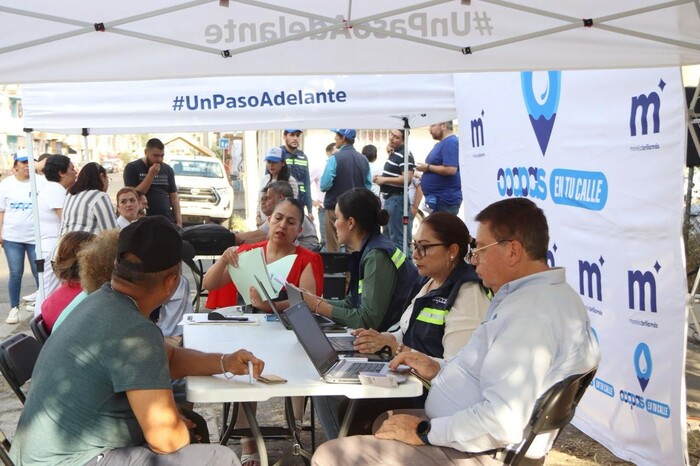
x=466 y=313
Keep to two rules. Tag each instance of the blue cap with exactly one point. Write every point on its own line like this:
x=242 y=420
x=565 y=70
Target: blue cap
x=274 y=155
x=346 y=133
x=21 y=156
x=289 y=131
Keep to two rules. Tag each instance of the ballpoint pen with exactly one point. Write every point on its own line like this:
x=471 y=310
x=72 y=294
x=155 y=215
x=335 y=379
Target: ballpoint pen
x=250 y=372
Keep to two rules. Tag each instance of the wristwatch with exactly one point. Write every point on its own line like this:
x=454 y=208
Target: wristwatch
x=422 y=430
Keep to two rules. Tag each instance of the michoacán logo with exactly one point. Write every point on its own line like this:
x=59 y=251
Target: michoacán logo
x=542 y=109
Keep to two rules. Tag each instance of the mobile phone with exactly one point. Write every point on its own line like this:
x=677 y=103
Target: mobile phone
x=219 y=316
x=272 y=318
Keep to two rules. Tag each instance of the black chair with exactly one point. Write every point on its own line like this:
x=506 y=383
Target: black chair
x=39 y=329
x=18 y=354
x=206 y=240
x=553 y=411
x=5 y=450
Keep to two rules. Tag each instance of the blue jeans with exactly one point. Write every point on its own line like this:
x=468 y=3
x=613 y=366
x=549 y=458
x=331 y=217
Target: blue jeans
x=15 y=261
x=444 y=207
x=394 y=229
x=322 y=225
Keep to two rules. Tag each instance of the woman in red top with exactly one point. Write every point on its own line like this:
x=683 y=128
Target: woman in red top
x=285 y=225
x=65 y=265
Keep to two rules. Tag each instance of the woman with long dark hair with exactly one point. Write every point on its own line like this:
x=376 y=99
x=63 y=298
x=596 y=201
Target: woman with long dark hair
x=87 y=206
x=382 y=280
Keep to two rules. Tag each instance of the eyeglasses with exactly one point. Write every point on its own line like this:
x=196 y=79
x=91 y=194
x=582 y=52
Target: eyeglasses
x=419 y=249
x=473 y=255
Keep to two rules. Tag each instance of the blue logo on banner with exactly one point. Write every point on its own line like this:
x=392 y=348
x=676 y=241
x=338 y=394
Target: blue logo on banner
x=542 y=109
x=642 y=364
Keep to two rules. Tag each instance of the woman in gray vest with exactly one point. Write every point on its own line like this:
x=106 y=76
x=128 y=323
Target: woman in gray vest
x=382 y=281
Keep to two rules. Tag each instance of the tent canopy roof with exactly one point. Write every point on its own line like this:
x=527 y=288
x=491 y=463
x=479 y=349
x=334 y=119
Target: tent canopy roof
x=73 y=40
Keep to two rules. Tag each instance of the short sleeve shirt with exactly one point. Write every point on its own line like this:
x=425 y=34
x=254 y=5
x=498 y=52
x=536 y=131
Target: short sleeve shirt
x=77 y=405
x=159 y=194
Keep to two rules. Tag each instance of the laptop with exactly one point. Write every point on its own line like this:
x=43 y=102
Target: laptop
x=329 y=366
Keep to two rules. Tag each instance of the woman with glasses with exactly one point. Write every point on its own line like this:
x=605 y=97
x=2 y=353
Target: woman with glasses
x=451 y=304
x=382 y=281
x=87 y=206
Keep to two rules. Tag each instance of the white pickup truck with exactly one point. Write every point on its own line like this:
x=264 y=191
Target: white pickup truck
x=206 y=196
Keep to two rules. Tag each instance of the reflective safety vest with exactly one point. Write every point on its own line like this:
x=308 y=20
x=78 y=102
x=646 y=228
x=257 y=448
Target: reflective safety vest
x=406 y=283
x=427 y=325
x=298 y=164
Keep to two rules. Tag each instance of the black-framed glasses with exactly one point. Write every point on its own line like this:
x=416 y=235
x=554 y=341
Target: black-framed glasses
x=419 y=249
x=473 y=255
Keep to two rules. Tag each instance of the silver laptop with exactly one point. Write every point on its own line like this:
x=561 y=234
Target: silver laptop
x=329 y=366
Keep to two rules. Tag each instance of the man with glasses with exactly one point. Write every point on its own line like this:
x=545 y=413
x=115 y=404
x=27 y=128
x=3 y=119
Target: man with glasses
x=536 y=333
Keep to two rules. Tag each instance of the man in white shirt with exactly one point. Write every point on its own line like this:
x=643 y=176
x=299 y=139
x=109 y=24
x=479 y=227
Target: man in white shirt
x=536 y=333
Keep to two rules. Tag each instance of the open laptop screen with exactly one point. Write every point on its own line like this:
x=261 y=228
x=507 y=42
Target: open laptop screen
x=311 y=337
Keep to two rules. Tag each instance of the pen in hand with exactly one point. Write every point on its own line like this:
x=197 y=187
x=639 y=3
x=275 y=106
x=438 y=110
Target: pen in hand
x=250 y=372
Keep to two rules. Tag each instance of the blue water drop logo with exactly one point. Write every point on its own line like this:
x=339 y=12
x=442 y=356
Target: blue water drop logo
x=642 y=364
x=542 y=109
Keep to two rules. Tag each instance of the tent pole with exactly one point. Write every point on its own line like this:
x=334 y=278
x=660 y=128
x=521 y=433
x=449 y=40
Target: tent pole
x=406 y=152
x=29 y=148
x=86 y=153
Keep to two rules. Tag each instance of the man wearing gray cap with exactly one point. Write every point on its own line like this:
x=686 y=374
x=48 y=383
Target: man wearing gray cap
x=345 y=169
x=101 y=390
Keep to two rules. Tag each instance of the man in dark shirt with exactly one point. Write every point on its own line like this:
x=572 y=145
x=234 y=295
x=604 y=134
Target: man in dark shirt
x=150 y=175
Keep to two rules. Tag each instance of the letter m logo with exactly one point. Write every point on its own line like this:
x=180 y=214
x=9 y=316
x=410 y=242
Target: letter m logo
x=643 y=102
x=477 y=132
x=645 y=284
x=589 y=273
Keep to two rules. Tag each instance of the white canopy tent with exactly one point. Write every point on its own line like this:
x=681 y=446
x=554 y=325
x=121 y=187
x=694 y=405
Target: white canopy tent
x=78 y=42
x=73 y=40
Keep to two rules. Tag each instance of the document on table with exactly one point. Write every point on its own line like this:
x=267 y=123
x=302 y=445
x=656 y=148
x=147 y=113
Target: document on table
x=251 y=264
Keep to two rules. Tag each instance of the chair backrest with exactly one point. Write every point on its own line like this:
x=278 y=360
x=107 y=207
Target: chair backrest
x=18 y=354
x=5 y=450
x=553 y=411
x=39 y=329
x=335 y=262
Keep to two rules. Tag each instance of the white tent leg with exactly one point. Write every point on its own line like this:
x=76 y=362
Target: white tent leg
x=29 y=144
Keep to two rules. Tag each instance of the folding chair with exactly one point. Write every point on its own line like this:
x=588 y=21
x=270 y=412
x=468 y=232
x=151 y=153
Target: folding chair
x=39 y=329
x=553 y=411
x=18 y=354
x=5 y=450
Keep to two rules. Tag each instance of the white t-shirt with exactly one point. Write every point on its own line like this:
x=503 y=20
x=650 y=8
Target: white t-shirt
x=16 y=202
x=50 y=198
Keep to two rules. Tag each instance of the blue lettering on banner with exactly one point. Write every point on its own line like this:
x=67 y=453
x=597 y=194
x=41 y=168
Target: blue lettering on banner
x=603 y=387
x=645 y=283
x=263 y=99
x=587 y=190
x=477 y=127
x=591 y=272
x=635 y=401
x=550 y=255
x=658 y=408
x=522 y=182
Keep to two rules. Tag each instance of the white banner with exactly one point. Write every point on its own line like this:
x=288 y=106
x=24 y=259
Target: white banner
x=211 y=104
x=602 y=152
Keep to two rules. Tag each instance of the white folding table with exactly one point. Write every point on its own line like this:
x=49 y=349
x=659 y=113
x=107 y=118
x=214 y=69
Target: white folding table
x=283 y=356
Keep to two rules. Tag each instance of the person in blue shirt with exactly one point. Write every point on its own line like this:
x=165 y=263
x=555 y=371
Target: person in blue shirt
x=441 y=183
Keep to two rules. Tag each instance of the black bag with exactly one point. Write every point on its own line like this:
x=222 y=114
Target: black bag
x=209 y=239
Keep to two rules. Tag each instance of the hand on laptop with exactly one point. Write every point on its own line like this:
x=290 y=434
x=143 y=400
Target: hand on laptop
x=371 y=341
x=424 y=365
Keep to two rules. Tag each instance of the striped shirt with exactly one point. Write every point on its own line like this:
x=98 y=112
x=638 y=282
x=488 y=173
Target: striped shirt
x=90 y=211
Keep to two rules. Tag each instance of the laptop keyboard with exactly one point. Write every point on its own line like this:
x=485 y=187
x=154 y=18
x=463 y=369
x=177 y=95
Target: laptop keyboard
x=355 y=368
